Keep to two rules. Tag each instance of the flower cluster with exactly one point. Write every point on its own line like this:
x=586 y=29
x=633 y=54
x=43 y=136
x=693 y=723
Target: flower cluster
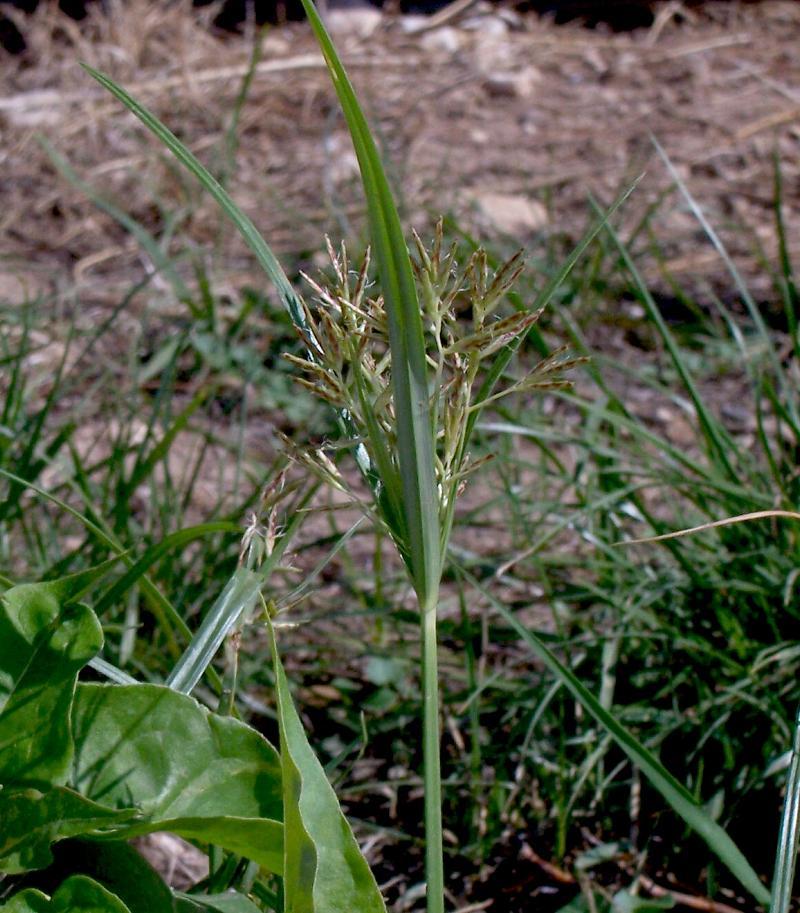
x=348 y=358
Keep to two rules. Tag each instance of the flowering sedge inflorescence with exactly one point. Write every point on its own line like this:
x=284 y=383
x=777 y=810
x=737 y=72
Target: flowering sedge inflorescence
x=348 y=360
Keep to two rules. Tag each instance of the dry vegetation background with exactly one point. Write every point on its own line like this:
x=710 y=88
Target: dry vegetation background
x=505 y=120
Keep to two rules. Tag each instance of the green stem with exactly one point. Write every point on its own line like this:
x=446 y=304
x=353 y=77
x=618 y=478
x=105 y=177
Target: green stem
x=432 y=775
x=786 y=857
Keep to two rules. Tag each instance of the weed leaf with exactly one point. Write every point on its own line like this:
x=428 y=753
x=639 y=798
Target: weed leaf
x=78 y=894
x=214 y=903
x=33 y=820
x=43 y=646
x=121 y=869
x=185 y=770
x=324 y=871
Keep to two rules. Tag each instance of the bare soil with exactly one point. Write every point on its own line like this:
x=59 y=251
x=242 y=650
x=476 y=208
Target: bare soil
x=505 y=120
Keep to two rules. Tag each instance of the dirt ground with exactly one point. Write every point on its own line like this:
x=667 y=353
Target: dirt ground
x=503 y=119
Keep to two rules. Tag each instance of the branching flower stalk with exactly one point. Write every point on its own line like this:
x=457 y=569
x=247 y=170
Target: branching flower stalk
x=348 y=364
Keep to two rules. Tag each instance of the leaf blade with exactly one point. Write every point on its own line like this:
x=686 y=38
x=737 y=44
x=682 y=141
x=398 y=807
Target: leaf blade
x=676 y=795
x=324 y=871
x=409 y=372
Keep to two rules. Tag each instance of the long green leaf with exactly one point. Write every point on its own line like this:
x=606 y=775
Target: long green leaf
x=409 y=373
x=675 y=794
x=324 y=871
x=244 y=225
x=718 y=439
x=238 y=596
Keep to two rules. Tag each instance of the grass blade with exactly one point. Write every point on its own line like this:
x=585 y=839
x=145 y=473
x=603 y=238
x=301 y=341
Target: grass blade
x=114 y=594
x=238 y=597
x=159 y=258
x=679 y=799
x=409 y=373
x=786 y=857
x=243 y=224
x=697 y=212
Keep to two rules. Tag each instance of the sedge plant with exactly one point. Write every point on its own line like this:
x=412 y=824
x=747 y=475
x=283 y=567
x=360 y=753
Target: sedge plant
x=401 y=368
x=408 y=378
x=352 y=364
x=409 y=368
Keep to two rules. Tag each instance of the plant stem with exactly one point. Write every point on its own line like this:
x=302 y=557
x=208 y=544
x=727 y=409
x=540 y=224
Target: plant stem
x=432 y=775
x=786 y=856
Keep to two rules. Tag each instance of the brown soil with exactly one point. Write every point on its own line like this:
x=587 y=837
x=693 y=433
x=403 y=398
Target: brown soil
x=508 y=121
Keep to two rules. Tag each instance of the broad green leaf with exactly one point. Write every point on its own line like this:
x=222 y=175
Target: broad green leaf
x=76 y=895
x=324 y=871
x=186 y=770
x=43 y=646
x=259 y=839
x=28 y=609
x=675 y=794
x=28 y=901
x=409 y=371
x=33 y=820
x=120 y=869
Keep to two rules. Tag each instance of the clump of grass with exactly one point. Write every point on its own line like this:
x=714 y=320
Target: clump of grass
x=688 y=642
